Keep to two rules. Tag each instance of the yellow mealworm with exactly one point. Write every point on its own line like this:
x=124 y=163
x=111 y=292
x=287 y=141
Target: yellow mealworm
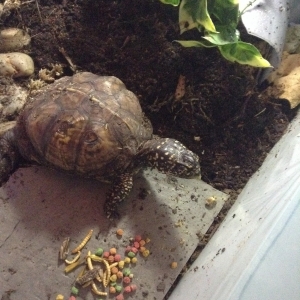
x=96 y=291
x=83 y=243
x=108 y=273
x=113 y=265
x=72 y=266
x=104 y=279
x=89 y=261
x=69 y=262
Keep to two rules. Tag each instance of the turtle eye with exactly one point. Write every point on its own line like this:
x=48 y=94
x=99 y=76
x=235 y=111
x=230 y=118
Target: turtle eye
x=90 y=137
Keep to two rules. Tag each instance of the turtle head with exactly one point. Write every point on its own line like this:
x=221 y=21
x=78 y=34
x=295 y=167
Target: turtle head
x=171 y=157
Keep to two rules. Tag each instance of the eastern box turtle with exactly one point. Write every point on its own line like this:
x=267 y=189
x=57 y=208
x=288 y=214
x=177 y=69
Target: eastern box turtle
x=92 y=126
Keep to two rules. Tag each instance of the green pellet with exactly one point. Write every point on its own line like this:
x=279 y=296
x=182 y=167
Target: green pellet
x=99 y=252
x=118 y=288
x=126 y=271
x=131 y=254
x=74 y=290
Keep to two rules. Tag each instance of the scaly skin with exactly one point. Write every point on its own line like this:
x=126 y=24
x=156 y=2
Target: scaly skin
x=9 y=155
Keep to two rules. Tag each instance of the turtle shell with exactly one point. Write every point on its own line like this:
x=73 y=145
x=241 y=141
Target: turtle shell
x=85 y=124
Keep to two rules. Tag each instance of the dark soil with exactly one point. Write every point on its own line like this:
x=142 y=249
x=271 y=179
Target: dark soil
x=223 y=117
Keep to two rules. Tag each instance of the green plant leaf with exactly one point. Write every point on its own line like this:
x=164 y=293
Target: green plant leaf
x=172 y=2
x=223 y=37
x=245 y=54
x=194 y=14
x=227 y=12
x=192 y=43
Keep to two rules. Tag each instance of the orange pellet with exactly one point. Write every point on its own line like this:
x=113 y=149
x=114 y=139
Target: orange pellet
x=142 y=243
x=120 y=274
x=111 y=259
x=112 y=251
x=120 y=232
x=112 y=290
x=173 y=265
x=114 y=270
x=142 y=249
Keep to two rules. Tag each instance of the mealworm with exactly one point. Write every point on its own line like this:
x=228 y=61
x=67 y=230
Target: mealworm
x=69 y=262
x=72 y=266
x=64 y=249
x=83 y=243
x=108 y=273
x=96 y=291
x=113 y=265
x=89 y=261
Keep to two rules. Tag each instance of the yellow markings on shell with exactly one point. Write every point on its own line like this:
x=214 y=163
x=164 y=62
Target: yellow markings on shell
x=69 y=262
x=83 y=243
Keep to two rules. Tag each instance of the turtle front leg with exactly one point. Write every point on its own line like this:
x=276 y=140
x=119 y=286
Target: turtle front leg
x=120 y=190
x=9 y=156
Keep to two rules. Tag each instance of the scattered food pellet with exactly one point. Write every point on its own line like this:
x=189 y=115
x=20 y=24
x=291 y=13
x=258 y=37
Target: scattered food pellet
x=113 y=278
x=133 y=287
x=74 y=290
x=131 y=254
x=120 y=274
x=134 y=260
x=134 y=250
x=147 y=240
x=121 y=264
x=114 y=270
x=126 y=280
x=120 y=232
x=105 y=254
x=99 y=252
x=126 y=260
x=127 y=289
x=146 y=253
x=137 y=238
x=142 y=249
x=136 y=245
x=126 y=271
x=174 y=265
x=60 y=297
x=120 y=297
x=117 y=257
x=112 y=290
x=119 y=288
x=72 y=298
x=111 y=259
x=142 y=243
x=112 y=251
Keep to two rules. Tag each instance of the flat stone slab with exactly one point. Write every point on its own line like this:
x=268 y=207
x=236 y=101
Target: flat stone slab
x=39 y=208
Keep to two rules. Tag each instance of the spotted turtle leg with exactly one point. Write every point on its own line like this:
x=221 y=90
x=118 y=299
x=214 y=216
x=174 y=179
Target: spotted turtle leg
x=120 y=189
x=9 y=156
